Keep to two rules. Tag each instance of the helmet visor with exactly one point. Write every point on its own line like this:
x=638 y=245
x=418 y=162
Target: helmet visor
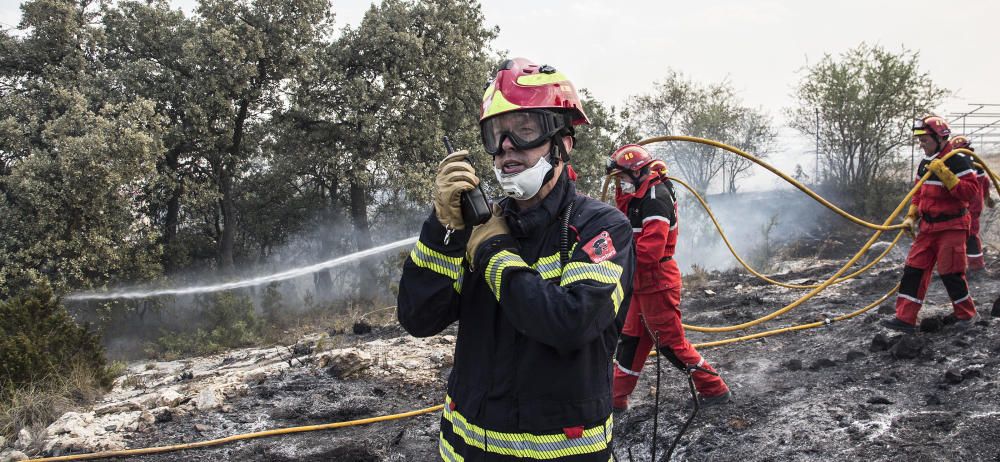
x=920 y=128
x=524 y=129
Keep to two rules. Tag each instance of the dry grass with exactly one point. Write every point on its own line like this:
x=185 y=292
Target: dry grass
x=696 y=279
x=35 y=406
x=32 y=407
x=332 y=321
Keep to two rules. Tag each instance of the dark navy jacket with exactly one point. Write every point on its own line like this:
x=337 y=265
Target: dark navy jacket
x=535 y=339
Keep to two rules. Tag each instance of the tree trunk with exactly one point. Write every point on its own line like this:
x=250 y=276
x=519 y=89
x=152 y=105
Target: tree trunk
x=228 y=239
x=363 y=239
x=226 y=172
x=323 y=280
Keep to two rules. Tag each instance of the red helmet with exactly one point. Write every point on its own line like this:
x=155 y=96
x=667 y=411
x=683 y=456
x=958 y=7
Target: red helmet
x=931 y=125
x=633 y=158
x=521 y=84
x=961 y=142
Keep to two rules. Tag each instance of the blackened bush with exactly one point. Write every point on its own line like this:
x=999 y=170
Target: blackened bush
x=40 y=343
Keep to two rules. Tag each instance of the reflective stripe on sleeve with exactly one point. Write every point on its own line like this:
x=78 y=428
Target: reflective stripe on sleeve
x=425 y=257
x=549 y=267
x=607 y=272
x=498 y=263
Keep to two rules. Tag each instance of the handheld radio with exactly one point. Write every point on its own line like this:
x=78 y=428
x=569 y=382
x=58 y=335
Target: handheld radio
x=475 y=208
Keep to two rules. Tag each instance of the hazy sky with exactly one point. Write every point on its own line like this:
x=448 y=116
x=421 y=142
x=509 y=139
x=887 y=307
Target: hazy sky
x=619 y=48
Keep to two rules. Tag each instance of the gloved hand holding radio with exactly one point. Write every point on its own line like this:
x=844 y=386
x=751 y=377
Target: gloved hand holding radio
x=454 y=177
x=496 y=226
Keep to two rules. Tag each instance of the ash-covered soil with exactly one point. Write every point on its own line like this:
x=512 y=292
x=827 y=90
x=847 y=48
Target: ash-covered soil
x=849 y=391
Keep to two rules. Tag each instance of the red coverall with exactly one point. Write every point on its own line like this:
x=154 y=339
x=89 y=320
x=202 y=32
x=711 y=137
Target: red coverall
x=656 y=296
x=974 y=246
x=944 y=228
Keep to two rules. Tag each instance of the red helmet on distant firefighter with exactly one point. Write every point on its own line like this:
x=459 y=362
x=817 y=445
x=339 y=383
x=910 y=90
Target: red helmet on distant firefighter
x=961 y=142
x=932 y=125
x=632 y=164
x=633 y=158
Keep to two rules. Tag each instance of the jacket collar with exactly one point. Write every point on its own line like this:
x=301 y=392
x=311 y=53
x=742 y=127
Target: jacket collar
x=523 y=223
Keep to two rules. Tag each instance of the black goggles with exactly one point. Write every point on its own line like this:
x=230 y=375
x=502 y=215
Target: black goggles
x=524 y=129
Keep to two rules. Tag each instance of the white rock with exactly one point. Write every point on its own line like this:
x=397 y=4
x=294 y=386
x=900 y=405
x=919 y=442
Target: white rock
x=207 y=399
x=169 y=398
x=3 y=441
x=24 y=439
x=12 y=456
x=709 y=292
x=73 y=423
x=348 y=362
x=146 y=420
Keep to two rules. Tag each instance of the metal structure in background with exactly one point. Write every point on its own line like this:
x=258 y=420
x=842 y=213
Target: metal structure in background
x=983 y=130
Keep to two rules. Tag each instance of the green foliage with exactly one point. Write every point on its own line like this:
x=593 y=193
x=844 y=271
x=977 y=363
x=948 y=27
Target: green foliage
x=72 y=158
x=679 y=106
x=865 y=99
x=40 y=344
x=226 y=321
x=273 y=307
x=595 y=142
x=137 y=140
x=763 y=253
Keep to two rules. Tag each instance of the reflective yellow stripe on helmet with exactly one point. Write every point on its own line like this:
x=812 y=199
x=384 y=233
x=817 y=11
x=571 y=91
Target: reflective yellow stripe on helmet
x=525 y=445
x=534 y=80
x=495 y=103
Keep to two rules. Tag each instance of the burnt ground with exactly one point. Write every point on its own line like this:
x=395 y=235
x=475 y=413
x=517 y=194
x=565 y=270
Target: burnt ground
x=849 y=391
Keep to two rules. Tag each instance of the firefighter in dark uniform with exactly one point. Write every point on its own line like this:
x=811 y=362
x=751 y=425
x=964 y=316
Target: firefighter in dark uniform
x=942 y=206
x=539 y=291
x=646 y=196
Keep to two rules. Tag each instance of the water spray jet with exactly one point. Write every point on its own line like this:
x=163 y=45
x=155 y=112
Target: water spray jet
x=256 y=281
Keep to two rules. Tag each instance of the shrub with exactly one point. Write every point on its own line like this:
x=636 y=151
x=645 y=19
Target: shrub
x=228 y=321
x=39 y=341
x=48 y=362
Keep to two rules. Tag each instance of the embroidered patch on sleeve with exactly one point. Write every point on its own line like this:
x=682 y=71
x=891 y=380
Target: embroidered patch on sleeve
x=600 y=248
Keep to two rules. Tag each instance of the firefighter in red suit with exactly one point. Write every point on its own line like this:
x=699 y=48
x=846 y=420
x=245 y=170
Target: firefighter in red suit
x=942 y=206
x=974 y=245
x=646 y=197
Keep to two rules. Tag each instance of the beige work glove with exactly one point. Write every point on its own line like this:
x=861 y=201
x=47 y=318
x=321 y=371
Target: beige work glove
x=495 y=226
x=990 y=202
x=454 y=176
x=943 y=173
x=911 y=221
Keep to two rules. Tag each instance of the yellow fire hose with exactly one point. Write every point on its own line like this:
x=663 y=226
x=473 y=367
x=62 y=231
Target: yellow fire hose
x=763 y=277
x=245 y=436
x=811 y=325
x=833 y=279
x=816 y=289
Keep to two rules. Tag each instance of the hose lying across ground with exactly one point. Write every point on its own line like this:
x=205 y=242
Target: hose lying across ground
x=815 y=289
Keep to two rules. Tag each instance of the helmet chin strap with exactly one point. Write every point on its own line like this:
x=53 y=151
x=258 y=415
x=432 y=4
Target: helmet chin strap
x=557 y=152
